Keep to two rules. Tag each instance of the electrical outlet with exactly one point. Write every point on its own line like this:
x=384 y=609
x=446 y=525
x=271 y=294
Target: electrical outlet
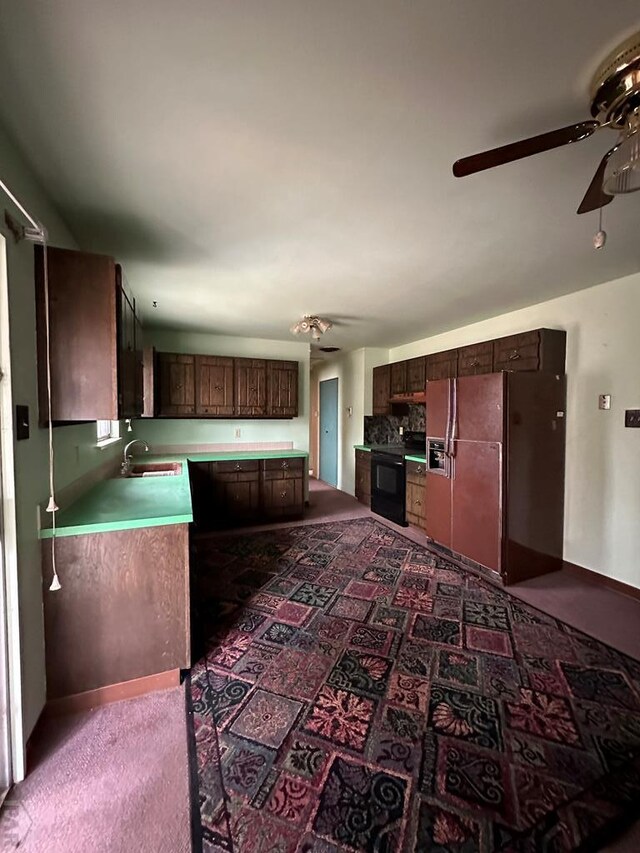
x=632 y=418
x=238 y=432
x=604 y=401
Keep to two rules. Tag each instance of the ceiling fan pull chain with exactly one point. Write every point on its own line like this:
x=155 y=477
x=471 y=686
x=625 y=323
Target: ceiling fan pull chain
x=600 y=237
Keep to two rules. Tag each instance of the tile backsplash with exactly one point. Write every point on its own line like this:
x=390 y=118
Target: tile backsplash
x=384 y=429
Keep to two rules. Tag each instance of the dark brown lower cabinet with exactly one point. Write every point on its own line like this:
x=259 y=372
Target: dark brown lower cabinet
x=415 y=494
x=228 y=494
x=363 y=477
x=123 y=610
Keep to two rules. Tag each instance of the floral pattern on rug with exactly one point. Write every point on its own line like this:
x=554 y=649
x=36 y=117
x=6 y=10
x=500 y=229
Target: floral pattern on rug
x=360 y=693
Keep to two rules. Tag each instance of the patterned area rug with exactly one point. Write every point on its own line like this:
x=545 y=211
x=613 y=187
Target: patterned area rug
x=358 y=692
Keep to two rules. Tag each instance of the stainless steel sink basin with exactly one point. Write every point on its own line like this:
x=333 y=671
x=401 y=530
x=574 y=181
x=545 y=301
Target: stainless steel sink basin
x=155 y=469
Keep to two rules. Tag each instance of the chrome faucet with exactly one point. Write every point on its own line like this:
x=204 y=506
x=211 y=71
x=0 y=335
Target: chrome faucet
x=126 y=456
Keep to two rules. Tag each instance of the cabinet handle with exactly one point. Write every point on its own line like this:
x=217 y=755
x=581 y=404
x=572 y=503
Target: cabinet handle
x=252 y=389
x=178 y=387
x=283 y=494
x=419 y=469
x=419 y=503
x=285 y=464
x=514 y=355
x=218 y=387
x=475 y=363
x=238 y=466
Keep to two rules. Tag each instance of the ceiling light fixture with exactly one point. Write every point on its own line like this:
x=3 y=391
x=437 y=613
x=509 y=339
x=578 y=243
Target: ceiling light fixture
x=315 y=325
x=622 y=172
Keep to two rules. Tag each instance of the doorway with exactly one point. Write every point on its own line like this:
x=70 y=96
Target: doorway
x=329 y=431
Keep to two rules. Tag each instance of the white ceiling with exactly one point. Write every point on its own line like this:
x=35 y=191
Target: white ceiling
x=249 y=161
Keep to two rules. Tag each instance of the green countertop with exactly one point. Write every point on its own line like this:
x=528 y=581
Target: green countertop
x=411 y=457
x=124 y=503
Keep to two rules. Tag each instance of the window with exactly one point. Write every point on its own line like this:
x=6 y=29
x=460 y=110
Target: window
x=107 y=432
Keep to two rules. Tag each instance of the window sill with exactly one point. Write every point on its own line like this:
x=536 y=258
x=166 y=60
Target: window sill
x=106 y=442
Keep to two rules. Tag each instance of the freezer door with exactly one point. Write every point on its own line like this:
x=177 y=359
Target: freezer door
x=479 y=407
x=438 y=405
x=438 y=508
x=477 y=517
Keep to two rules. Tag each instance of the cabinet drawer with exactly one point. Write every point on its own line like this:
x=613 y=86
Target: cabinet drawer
x=236 y=467
x=475 y=359
x=517 y=352
x=417 y=471
x=293 y=464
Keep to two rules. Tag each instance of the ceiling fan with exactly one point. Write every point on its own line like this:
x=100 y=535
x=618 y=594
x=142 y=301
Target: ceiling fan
x=615 y=104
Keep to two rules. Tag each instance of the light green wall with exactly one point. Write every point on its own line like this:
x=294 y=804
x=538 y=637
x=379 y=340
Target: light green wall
x=602 y=491
x=185 y=431
x=75 y=451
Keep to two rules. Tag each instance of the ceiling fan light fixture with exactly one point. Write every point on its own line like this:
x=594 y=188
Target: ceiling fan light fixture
x=622 y=173
x=316 y=325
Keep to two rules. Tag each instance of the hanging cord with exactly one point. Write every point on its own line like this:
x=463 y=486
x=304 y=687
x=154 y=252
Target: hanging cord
x=39 y=235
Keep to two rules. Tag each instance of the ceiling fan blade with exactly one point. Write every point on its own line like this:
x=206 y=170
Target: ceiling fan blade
x=595 y=197
x=524 y=148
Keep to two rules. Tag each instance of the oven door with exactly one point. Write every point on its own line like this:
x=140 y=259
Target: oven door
x=388 y=486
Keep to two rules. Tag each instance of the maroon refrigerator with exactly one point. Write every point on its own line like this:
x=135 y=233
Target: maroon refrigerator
x=495 y=470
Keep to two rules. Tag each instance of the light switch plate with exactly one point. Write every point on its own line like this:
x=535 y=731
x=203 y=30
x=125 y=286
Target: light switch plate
x=604 y=401
x=632 y=418
x=22 y=423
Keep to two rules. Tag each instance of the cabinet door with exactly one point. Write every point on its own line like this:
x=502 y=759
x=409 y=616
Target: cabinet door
x=239 y=498
x=517 y=352
x=282 y=389
x=363 y=477
x=476 y=525
x=283 y=497
x=438 y=508
x=475 y=359
x=176 y=384
x=214 y=386
x=398 y=378
x=415 y=498
x=442 y=365
x=127 y=362
x=83 y=336
x=250 y=387
x=416 y=374
x=381 y=389
x=140 y=380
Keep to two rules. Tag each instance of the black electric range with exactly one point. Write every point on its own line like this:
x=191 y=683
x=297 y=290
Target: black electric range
x=388 y=475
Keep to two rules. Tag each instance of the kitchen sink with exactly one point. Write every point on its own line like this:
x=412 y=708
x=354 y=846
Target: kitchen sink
x=155 y=469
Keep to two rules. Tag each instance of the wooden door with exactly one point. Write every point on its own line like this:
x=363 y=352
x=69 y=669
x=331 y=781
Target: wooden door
x=381 y=389
x=83 y=336
x=283 y=497
x=250 y=387
x=479 y=407
x=442 y=365
x=140 y=379
x=176 y=384
x=438 y=408
x=398 y=378
x=282 y=389
x=438 y=508
x=214 y=386
x=416 y=375
x=477 y=514
x=475 y=359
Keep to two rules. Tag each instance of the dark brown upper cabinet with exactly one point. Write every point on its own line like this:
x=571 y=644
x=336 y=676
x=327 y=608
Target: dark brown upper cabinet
x=540 y=349
x=83 y=321
x=381 y=389
x=475 y=359
x=442 y=365
x=250 y=387
x=176 y=384
x=282 y=389
x=214 y=386
x=129 y=394
x=416 y=375
x=398 y=378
